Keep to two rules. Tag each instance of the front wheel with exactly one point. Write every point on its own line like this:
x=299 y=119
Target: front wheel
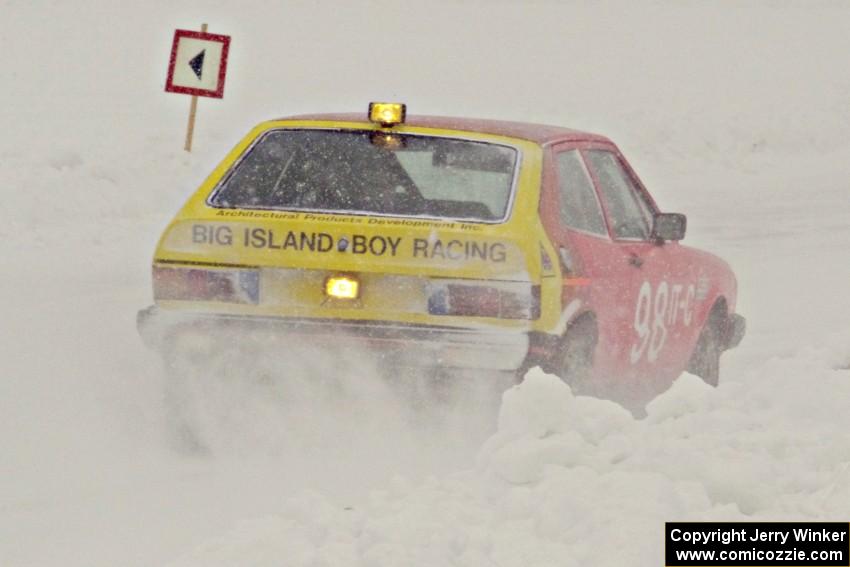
x=705 y=361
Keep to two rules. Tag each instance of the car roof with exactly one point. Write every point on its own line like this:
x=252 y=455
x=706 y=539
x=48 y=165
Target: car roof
x=538 y=133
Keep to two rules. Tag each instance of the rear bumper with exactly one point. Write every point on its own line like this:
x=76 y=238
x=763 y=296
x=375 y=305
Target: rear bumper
x=403 y=344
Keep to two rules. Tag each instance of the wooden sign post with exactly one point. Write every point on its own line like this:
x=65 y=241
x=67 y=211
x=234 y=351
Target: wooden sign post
x=193 y=110
x=197 y=67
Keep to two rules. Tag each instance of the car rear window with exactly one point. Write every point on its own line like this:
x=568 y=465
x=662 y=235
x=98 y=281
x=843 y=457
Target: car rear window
x=367 y=172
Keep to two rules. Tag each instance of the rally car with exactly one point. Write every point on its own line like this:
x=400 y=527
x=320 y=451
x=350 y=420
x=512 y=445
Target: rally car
x=445 y=243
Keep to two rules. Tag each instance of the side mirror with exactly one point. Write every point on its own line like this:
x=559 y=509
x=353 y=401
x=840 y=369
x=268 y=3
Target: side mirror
x=669 y=226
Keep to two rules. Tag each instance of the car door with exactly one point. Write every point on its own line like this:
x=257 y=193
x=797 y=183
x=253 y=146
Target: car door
x=597 y=271
x=653 y=338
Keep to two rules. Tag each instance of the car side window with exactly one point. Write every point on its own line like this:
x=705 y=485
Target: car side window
x=579 y=206
x=628 y=214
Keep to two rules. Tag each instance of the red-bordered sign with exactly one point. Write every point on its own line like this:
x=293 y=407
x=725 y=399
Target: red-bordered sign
x=198 y=63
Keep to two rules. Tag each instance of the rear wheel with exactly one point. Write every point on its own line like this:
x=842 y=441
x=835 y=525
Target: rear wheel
x=442 y=386
x=180 y=406
x=573 y=360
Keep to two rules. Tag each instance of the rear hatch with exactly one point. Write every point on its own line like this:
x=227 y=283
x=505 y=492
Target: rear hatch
x=424 y=224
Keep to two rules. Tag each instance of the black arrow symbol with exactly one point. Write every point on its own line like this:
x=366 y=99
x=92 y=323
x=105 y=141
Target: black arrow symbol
x=197 y=63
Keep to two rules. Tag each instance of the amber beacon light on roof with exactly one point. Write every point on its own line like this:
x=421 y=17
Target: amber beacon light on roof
x=387 y=114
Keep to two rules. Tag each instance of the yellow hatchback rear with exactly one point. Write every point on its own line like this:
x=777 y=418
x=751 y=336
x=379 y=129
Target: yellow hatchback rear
x=420 y=242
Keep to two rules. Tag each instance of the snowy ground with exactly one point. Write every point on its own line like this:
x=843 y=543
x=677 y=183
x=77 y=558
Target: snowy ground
x=738 y=115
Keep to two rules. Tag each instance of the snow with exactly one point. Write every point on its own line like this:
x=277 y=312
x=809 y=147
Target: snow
x=572 y=480
x=738 y=118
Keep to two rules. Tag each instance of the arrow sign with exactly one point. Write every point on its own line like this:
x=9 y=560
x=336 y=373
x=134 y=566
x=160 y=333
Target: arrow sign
x=191 y=72
x=197 y=63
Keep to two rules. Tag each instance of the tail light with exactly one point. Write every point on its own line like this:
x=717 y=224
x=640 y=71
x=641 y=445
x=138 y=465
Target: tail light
x=501 y=300
x=196 y=284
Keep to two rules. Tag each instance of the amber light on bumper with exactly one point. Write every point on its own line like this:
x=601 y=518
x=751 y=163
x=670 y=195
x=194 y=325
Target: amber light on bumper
x=342 y=287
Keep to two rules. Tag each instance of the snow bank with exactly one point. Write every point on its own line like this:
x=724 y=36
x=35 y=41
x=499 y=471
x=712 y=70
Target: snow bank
x=572 y=480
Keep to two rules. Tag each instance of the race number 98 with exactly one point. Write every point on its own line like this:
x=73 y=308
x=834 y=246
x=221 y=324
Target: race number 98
x=655 y=313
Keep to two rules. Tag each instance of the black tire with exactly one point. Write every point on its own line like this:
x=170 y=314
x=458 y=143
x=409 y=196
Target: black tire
x=573 y=360
x=705 y=360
